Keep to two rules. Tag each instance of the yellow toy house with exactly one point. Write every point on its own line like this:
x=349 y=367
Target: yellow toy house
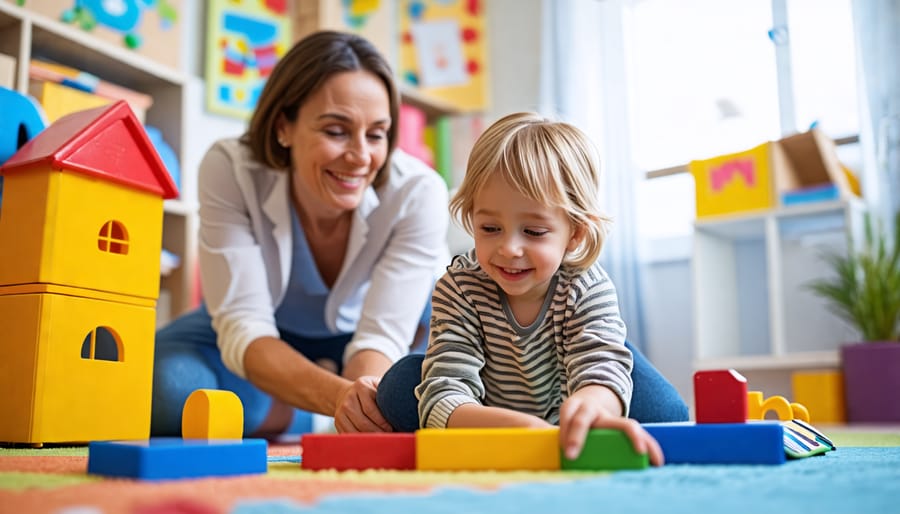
x=80 y=241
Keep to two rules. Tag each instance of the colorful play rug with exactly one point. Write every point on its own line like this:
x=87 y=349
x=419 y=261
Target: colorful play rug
x=863 y=475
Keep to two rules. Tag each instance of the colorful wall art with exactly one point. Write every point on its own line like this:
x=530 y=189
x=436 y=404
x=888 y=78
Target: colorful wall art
x=443 y=50
x=245 y=38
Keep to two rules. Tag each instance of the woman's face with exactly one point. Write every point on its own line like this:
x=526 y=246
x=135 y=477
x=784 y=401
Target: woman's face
x=338 y=142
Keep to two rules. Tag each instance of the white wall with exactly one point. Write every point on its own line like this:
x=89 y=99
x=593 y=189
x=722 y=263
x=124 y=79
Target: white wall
x=668 y=321
x=514 y=48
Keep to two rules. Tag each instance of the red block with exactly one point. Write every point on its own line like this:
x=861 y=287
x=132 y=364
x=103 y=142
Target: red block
x=358 y=451
x=720 y=396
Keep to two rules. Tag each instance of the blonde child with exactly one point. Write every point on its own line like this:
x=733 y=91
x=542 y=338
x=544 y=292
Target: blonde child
x=525 y=328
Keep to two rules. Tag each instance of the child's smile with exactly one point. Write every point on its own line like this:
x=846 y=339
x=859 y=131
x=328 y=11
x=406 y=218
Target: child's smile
x=519 y=242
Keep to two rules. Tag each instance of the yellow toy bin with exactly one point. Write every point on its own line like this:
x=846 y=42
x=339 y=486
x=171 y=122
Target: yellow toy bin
x=74 y=368
x=756 y=179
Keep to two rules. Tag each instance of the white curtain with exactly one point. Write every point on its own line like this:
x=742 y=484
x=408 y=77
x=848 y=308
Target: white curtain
x=583 y=82
x=877 y=27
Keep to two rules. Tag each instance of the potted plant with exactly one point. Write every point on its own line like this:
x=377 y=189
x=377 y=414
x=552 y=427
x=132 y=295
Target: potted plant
x=864 y=290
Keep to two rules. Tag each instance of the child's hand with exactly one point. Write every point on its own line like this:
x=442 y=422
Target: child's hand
x=590 y=408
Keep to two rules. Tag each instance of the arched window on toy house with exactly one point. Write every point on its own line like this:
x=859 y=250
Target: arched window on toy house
x=113 y=238
x=102 y=343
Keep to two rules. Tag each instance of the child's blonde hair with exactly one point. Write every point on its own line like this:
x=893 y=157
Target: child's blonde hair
x=553 y=163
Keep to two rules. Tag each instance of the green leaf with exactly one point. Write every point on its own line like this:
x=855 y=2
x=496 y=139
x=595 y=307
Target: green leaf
x=864 y=288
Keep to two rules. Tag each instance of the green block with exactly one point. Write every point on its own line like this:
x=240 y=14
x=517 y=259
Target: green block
x=606 y=449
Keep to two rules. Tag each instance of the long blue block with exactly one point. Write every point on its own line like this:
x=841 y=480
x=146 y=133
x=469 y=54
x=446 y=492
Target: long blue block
x=758 y=442
x=172 y=458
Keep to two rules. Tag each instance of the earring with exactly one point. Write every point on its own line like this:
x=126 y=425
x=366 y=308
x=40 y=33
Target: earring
x=282 y=142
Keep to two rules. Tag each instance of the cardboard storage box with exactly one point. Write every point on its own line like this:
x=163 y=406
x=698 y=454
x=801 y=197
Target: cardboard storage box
x=795 y=169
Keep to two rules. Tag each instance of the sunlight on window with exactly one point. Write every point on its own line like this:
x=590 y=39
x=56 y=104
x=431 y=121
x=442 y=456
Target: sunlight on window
x=703 y=82
x=704 y=79
x=824 y=65
x=666 y=206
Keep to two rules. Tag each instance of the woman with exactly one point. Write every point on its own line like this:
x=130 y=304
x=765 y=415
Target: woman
x=318 y=249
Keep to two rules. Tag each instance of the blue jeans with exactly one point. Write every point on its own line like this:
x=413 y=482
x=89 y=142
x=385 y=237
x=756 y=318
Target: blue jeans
x=187 y=359
x=653 y=400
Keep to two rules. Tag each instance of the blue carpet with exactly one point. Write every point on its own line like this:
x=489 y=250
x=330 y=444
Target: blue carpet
x=849 y=480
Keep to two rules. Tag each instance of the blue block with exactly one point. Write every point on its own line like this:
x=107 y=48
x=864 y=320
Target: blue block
x=171 y=458
x=756 y=442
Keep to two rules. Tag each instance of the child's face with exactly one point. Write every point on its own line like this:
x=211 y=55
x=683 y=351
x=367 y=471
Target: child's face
x=518 y=242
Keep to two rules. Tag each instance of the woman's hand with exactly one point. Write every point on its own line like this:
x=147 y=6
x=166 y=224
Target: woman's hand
x=589 y=408
x=356 y=409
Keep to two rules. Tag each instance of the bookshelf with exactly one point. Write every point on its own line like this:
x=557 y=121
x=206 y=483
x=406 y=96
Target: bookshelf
x=25 y=35
x=752 y=309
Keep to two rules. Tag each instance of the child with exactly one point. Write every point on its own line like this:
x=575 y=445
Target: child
x=525 y=329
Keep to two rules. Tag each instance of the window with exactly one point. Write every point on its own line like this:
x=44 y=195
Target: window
x=709 y=77
x=113 y=238
x=101 y=344
x=823 y=66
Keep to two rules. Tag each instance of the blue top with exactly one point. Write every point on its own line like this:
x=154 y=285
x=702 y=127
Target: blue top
x=303 y=310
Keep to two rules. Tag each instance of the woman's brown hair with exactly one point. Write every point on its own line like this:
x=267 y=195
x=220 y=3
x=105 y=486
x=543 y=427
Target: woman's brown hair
x=306 y=66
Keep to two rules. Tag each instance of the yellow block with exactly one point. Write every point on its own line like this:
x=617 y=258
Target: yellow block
x=74 y=368
x=823 y=393
x=212 y=414
x=500 y=449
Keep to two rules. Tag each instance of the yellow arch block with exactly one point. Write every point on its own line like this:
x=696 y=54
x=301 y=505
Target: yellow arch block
x=212 y=414
x=786 y=411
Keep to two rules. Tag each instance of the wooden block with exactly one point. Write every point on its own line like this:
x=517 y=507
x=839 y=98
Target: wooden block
x=212 y=414
x=358 y=451
x=606 y=449
x=822 y=392
x=173 y=458
x=501 y=449
x=759 y=442
x=720 y=396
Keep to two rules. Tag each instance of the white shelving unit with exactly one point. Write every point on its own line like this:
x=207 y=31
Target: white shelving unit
x=25 y=34
x=753 y=310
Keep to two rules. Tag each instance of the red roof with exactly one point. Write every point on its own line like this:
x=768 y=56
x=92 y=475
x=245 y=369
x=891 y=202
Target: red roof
x=106 y=142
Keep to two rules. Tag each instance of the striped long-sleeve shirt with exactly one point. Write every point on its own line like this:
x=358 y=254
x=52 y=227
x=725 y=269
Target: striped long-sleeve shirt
x=478 y=353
